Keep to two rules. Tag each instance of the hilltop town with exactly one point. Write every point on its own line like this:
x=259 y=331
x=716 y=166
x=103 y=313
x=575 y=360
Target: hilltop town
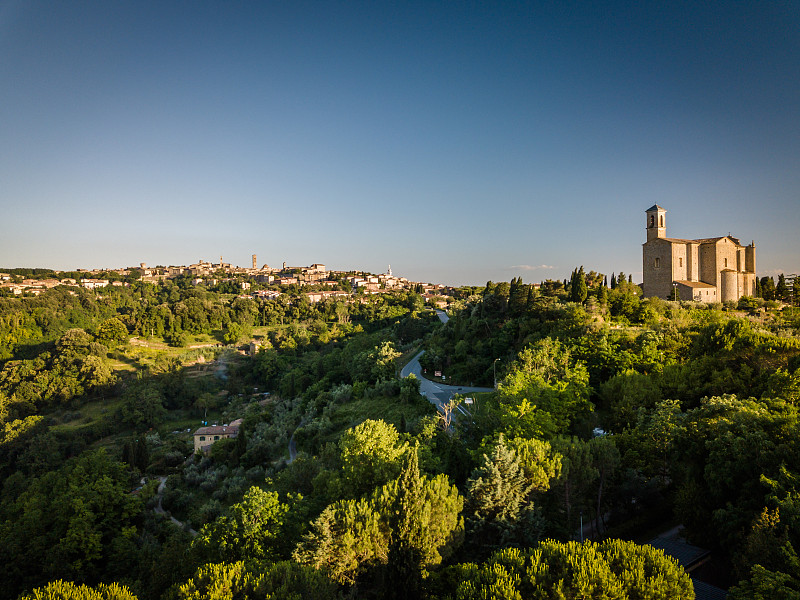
x=263 y=282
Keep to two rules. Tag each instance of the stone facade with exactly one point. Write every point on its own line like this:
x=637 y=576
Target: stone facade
x=707 y=270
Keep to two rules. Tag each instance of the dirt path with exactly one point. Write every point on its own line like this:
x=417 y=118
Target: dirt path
x=292 y=450
x=160 y=509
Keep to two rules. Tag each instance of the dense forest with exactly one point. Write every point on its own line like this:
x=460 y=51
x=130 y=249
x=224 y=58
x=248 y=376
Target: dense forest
x=613 y=418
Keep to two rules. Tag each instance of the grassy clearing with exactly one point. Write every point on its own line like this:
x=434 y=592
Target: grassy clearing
x=187 y=418
x=70 y=420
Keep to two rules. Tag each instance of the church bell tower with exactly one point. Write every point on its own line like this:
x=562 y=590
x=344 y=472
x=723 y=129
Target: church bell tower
x=656 y=222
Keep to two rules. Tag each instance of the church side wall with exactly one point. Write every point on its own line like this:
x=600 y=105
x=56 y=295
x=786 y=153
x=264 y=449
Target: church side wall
x=657 y=268
x=708 y=264
x=693 y=256
x=750 y=258
x=679 y=262
x=727 y=255
x=730 y=285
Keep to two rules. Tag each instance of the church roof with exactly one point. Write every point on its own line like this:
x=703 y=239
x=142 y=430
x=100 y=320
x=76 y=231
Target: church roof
x=713 y=240
x=679 y=240
x=694 y=284
x=655 y=207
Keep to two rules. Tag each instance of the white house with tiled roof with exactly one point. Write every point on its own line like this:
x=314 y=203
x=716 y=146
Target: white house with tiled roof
x=206 y=436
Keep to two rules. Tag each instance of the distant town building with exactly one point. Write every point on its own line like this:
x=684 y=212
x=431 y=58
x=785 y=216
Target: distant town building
x=715 y=269
x=266 y=294
x=91 y=284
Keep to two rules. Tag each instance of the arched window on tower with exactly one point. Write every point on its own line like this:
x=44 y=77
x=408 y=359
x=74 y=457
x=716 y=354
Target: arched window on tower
x=658 y=263
x=652 y=221
x=661 y=221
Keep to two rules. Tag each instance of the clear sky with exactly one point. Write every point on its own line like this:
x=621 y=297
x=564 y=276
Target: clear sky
x=456 y=141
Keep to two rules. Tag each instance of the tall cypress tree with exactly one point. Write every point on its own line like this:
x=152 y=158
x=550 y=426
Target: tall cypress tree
x=531 y=297
x=578 y=290
x=423 y=517
x=404 y=566
x=781 y=289
x=768 y=288
x=613 y=281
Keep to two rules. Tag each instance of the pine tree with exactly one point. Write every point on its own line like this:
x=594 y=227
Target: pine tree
x=610 y=569
x=66 y=590
x=613 y=281
x=497 y=505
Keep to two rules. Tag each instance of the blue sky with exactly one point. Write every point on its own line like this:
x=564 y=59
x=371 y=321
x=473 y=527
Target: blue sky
x=458 y=142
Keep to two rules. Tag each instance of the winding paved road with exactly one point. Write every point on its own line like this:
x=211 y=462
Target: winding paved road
x=436 y=393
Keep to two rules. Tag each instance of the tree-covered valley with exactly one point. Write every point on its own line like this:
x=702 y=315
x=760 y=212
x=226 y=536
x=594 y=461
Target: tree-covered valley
x=614 y=418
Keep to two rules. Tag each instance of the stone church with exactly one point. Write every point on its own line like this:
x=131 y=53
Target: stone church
x=716 y=269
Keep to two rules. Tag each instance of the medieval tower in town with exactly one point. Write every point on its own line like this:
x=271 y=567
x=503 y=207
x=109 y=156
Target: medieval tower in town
x=715 y=269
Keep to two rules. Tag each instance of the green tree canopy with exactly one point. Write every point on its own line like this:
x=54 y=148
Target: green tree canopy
x=66 y=590
x=545 y=390
x=371 y=455
x=112 y=331
x=285 y=580
x=252 y=530
x=609 y=570
x=409 y=524
x=68 y=523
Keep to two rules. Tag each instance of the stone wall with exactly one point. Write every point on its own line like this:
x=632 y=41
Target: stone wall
x=657 y=280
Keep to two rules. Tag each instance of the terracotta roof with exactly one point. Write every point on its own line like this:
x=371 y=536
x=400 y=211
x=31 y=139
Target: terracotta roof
x=232 y=428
